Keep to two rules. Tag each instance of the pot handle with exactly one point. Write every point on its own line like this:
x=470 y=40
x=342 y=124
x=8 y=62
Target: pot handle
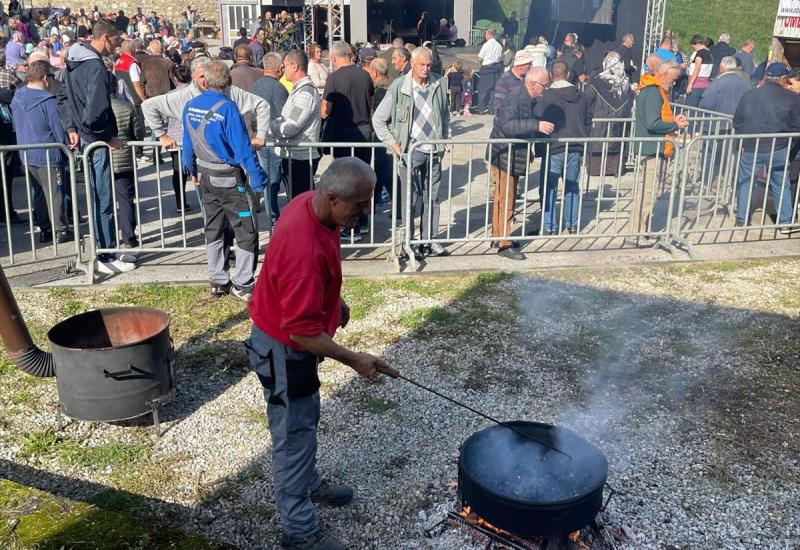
x=611 y=493
x=130 y=372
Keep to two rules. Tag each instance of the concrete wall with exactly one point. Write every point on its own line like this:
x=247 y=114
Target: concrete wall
x=463 y=17
x=209 y=9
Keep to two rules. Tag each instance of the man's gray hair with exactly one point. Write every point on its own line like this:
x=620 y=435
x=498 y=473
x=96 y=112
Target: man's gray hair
x=345 y=177
x=200 y=62
x=218 y=75
x=398 y=42
x=404 y=53
x=724 y=37
x=380 y=66
x=535 y=72
x=421 y=51
x=728 y=63
x=341 y=49
x=272 y=61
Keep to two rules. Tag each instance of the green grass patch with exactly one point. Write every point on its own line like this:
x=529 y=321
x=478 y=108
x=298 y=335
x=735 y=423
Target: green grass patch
x=742 y=19
x=428 y=318
x=256 y=416
x=427 y=288
x=117 y=455
x=6 y=366
x=157 y=296
x=494 y=10
x=362 y=295
x=47 y=522
x=374 y=405
x=38 y=444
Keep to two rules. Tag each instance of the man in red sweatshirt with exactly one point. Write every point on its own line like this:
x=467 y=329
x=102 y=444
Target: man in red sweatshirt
x=296 y=308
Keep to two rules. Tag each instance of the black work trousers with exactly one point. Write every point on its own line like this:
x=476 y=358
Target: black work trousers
x=300 y=174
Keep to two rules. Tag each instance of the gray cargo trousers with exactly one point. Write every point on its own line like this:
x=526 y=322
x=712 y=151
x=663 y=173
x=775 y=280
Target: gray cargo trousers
x=285 y=372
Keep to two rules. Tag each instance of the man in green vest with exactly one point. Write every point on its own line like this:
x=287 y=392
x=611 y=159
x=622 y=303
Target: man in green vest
x=415 y=109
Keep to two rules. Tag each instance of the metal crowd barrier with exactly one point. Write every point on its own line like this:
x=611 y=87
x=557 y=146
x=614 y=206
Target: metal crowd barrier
x=159 y=228
x=58 y=185
x=694 y=195
x=728 y=183
x=601 y=206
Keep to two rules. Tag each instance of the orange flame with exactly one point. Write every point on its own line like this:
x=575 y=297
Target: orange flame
x=473 y=519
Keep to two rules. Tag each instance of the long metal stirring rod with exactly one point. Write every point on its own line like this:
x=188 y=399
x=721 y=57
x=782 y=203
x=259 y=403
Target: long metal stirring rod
x=396 y=374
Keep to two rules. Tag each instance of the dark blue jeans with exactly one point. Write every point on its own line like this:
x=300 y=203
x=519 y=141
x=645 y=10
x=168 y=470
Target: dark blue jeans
x=100 y=181
x=779 y=185
x=572 y=176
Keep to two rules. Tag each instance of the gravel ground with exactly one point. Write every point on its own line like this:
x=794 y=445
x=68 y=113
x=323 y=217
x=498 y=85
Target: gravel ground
x=687 y=378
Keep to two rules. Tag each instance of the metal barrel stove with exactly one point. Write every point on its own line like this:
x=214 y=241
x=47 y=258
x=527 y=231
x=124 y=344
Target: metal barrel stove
x=110 y=364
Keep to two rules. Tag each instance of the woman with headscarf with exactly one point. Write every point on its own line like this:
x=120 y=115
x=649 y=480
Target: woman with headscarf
x=612 y=98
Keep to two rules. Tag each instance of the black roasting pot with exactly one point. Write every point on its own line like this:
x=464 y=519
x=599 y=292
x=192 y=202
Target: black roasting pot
x=523 y=487
x=112 y=364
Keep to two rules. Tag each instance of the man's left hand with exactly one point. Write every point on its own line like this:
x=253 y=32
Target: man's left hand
x=257 y=143
x=344 y=317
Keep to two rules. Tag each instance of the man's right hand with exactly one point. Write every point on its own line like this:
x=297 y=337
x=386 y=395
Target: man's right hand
x=74 y=139
x=546 y=128
x=681 y=121
x=167 y=142
x=396 y=150
x=114 y=143
x=367 y=365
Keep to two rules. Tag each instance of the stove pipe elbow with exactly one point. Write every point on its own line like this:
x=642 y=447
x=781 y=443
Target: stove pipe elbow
x=25 y=354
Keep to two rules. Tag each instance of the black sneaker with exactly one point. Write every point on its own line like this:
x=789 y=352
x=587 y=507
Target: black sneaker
x=511 y=253
x=220 y=290
x=45 y=235
x=65 y=236
x=332 y=495
x=317 y=541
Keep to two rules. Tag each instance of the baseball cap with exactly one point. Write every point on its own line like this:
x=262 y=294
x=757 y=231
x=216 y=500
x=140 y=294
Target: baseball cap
x=778 y=69
x=368 y=54
x=522 y=58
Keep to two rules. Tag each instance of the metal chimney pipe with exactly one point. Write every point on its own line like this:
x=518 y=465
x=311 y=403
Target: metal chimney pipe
x=25 y=354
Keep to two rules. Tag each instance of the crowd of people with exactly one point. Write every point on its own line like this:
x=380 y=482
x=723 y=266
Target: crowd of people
x=287 y=94
x=109 y=79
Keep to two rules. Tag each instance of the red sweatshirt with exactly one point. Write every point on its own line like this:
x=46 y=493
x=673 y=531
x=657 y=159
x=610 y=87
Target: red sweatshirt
x=300 y=283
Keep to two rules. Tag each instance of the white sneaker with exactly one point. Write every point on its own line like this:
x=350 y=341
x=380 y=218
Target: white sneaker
x=127 y=258
x=114 y=266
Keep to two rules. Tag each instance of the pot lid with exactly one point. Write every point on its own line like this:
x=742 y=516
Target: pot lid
x=515 y=468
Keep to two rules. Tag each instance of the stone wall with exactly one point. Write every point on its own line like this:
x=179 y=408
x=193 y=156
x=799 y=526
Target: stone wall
x=209 y=9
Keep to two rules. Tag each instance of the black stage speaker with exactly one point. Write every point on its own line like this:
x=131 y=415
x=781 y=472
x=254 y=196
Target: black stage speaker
x=597 y=12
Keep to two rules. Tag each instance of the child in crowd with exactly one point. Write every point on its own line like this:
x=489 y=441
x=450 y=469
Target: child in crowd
x=466 y=93
x=455 y=80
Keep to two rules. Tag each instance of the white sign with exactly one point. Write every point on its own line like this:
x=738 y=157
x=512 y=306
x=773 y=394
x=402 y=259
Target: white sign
x=789 y=8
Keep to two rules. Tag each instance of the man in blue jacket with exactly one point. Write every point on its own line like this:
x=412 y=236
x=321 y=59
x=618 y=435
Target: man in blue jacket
x=35 y=116
x=214 y=133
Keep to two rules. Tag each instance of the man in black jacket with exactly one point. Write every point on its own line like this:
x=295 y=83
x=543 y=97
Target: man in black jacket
x=770 y=109
x=514 y=120
x=719 y=50
x=88 y=92
x=571 y=113
x=625 y=52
